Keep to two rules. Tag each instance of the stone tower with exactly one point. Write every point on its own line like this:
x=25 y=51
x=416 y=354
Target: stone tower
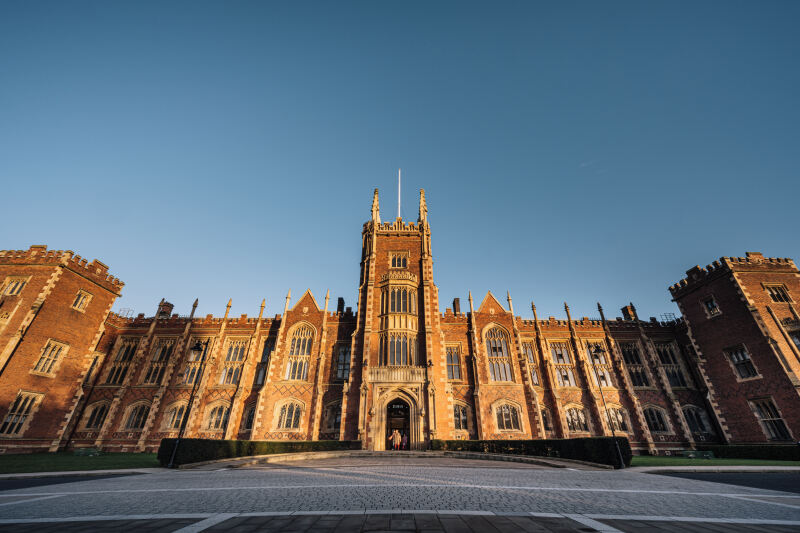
x=394 y=341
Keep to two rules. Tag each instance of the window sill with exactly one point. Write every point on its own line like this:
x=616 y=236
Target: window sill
x=42 y=374
x=745 y=380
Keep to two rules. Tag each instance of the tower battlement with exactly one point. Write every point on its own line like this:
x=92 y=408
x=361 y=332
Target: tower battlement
x=38 y=254
x=753 y=261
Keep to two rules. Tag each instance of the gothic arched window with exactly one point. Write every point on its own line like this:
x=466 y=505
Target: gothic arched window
x=97 y=416
x=174 y=417
x=656 y=421
x=507 y=417
x=290 y=416
x=576 y=420
x=497 y=351
x=218 y=417
x=299 y=353
x=137 y=416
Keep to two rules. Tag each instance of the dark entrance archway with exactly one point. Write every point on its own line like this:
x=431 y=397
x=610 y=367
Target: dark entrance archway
x=398 y=417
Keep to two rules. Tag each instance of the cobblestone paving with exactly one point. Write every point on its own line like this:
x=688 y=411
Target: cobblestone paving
x=371 y=486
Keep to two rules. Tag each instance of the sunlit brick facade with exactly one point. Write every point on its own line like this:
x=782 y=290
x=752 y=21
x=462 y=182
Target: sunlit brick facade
x=74 y=374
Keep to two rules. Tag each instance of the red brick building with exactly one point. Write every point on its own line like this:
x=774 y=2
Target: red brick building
x=73 y=374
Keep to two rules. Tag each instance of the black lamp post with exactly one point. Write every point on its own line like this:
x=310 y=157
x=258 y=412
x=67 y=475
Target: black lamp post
x=597 y=353
x=198 y=350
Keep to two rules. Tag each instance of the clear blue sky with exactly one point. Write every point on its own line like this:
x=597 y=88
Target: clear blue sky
x=576 y=151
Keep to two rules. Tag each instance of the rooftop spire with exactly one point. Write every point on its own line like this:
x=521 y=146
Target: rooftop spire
x=423 y=207
x=376 y=211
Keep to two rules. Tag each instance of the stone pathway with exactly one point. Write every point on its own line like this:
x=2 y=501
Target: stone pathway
x=442 y=494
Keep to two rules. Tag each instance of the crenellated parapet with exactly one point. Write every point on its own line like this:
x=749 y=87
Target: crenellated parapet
x=752 y=262
x=95 y=271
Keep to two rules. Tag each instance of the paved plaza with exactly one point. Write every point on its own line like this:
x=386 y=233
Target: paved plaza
x=393 y=494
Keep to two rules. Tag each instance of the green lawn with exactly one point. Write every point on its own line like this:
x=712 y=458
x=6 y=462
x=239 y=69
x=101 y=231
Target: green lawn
x=647 y=460
x=65 y=461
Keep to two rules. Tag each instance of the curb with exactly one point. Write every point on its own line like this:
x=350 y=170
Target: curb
x=239 y=462
x=69 y=473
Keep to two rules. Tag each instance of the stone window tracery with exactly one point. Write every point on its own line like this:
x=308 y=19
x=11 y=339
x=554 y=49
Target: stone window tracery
x=460 y=418
x=50 y=358
x=290 y=415
x=218 y=417
x=137 y=416
x=19 y=413
x=300 y=353
x=656 y=420
x=577 y=420
x=122 y=361
x=398 y=349
x=175 y=415
x=498 y=354
x=234 y=359
x=507 y=417
x=453 y=363
x=97 y=415
x=158 y=363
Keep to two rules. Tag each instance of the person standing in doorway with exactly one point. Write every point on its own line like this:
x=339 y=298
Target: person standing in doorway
x=404 y=442
x=396 y=438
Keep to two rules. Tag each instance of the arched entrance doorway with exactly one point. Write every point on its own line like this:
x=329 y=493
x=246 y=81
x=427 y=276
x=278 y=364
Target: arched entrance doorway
x=398 y=417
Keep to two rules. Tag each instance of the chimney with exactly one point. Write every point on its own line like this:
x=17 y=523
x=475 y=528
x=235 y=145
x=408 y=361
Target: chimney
x=456 y=306
x=340 y=305
x=164 y=309
x=629 y=312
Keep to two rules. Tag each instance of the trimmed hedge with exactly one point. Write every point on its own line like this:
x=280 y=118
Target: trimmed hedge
x=196 y=450
x=774 y=452
x=594 y=449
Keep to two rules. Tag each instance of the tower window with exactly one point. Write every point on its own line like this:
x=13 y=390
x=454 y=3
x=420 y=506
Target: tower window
x=14 y=286
x=81 y=301
x=453 y=363
x=398 y=259
x=498 y=354
x=741 y=362
x=711 y=307
x=778 y=293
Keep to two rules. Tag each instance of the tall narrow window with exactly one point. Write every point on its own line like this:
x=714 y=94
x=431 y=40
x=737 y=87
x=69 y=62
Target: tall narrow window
x=507 y=417
x=460 y=417
x=499 y=358
x=656 y=420
x=81 y=300
x=90 y=372
x=249 y=418
x=119 y=367
x=234 y=359
x=19 y=413
x=263 y=364
x=158 y=362
x=333 y=417
x=633 y=361
x=453 y=363
x=14 y=286
x=741 y=362
x=546 y=420
x=49 y=358
x=560 y=353
x=672 y=368
x=711 y=307
x=343 y=363
x=299 y=353
x=527 y=348
x=770 y=419
x=616 y=419
x=191 y=372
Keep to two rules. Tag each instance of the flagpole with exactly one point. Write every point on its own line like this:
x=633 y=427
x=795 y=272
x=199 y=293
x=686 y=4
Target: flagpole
x=398 y=193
